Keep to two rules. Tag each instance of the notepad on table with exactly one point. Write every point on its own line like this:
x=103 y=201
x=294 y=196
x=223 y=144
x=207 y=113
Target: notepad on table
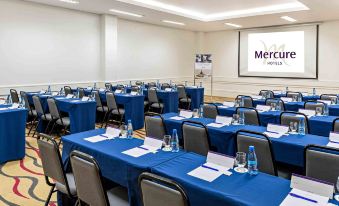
x=303 y=198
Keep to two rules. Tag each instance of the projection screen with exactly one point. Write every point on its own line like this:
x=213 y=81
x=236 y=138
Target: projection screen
x=280 y=52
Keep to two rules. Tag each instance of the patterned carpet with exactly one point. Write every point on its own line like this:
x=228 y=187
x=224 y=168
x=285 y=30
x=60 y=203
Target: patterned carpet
x=22 y=182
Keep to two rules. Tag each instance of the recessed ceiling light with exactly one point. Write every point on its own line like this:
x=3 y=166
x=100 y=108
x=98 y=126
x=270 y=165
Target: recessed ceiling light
x=234 y=25
x=126 y=13
x=70 y=1
x=287 y=18
x=254 y=11
x=173 y=22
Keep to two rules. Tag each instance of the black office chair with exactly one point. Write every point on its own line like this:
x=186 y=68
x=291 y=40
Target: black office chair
x=266 y=93
x=184 y=99
x=157 y=190
x=210 y=110
x=14 y=96
x=68 y=90
x=335 y=125
x=195 y=137
x=248 y=101
x=165 y=86
x=155 y=126
x=81 y=92
x=328 y=97
x=294 y=95
x=32 y=114
x=153 y=100
x=251 y=115
x=89 y=183
x=41 y=113
x=322 y=163
x=152 y=84
x=113 y=109
x=108 y=86
x=313 y=105
x=287 y=117
x=138 y=83
x=53 y=168
x=270 y=101
x=263 y=149
x=65 y=122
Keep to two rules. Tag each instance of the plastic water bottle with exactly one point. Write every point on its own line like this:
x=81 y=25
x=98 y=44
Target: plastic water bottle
x=241 y=118
x=286 y=89
x=252 y=161
x=49 y=89
x=314 y=92
x=326 y=109
x=95 y=86
x=9 y=99
x=185 y=83
x=129 y=130
x=170 y=83
x=242 y=102
x=201 y=111
x=175 y=141
x=301 y=126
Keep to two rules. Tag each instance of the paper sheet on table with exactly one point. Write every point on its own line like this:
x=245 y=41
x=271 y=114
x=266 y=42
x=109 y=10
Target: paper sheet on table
x=307 y=112
x=216 y=125
x=112 y=132
x=177 y=118
x=69 y=96
x=274 y=128
x=206 y=174
x=134 y=93
x=263 y=108
x=223 y=120
x=5 y=108
x=97 y=138
x=256 y=97
x=186 y=114
x=168 y=89
x=333 y=144
x=227 y=104
x=301 y=201
x=2 y=101
x=273 y=134
x=137 y=151
x=118 y=91
x=77 y=100
x=85 y=99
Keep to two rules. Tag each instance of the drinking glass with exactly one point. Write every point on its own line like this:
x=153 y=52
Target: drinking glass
x=235 y=119
x=123 y=131
x=294 y=98
x=167 y=143
x=240 y=161
x=273 y=106
x=318 y=111
x=195 y=113
x=293 y=127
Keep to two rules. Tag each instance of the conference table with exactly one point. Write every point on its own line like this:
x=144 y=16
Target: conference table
x=82 y=114
x=287 y=149
x=308 y=97
x=318 y=125
x=237 y=189
x=115 y=166
x=12 y=133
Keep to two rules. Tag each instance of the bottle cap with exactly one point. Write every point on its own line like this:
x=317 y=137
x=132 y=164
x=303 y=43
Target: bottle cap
x=129 y=121
x=251 y=148
x=174 y=131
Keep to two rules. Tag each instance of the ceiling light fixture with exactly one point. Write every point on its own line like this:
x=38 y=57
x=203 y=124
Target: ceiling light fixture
x=126 y=13
x=233 y=25
x=70 y=1
x=287 y=18
x=173 y=22
x=272 y=9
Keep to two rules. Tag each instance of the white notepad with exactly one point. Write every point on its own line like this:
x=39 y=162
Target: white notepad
x=205 y=173
x=273 y=134
x=215 y=125
x=97 y=138
x=177 y=118
x=302 y=198
x=137 y=151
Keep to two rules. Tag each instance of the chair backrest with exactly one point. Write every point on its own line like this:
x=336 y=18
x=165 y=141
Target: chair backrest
x=97 y=98
x=89 y=189
x=328 y=96
x=14 y=96
x=181 y=91
x=154 y=126
x=120 y=87
x=81 y=92
x=152 y=84
x=68 y=90
x=263 y=149
x=248 y=101
x=195 y=137
x=157 y=190
x=294 y=95
x=38 y=106
x=25 y=98
x=51 y=160
x=210 y=111
x=287 y=117
x=267 y=93
x=269 y=101
x=251 y=115
x=313 y=105
x=322 y=163
x=135 y=89
x=152 y=95
x=108 y=86
x=53 y=108
x=111 y=102
x=138 y=83
x=335 y=127
x=165 y=85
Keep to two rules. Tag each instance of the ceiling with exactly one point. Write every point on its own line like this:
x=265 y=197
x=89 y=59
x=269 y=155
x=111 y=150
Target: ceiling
x=211 y=15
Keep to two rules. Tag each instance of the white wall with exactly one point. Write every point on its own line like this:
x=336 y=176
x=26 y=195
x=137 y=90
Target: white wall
x=41 y=45
x=224 y=47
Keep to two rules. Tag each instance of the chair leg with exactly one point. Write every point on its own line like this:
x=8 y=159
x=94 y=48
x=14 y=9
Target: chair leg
x=32 y=125
x=103 y=120
x=49 y=195
x=36 y=128
x=46 y=130
x=50 y=132
x=108 y=118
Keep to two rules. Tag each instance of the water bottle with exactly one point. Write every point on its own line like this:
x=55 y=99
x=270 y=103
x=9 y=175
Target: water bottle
x=49 y=89
x=170 y=82
x=286 y=90
x=241 y=118
x=242 y=102
x=95 y=86
x=301 y=126
x=201 y=111
x=9 y=99
x=129 y=129
x=185 y=83
x=326 y=109
x=314 y=92
x=175 y=141
x=200 y=85
x=78 y=94
x=277 y=107
x=252 y=161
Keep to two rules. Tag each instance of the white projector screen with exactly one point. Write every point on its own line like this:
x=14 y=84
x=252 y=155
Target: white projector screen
x=280 y=52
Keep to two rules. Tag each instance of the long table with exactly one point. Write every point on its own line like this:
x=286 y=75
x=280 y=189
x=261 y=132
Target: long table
x=115 y=166
x=287 y=149
x=12 y=133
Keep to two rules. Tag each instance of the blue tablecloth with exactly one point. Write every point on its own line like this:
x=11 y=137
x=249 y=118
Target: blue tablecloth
x=287 y=149
x=115 y=166
x=196 y=95
x=12 y=134
x=237 y=189
x=170 y=100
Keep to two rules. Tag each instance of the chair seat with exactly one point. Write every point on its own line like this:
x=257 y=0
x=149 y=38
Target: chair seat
x=185 y=100
x=157 y=105
x=121 y=111
x=71 y=184
x=33 y=113
x=102 y=109
x=47 y=117
x=65 y=120
x=118 y=196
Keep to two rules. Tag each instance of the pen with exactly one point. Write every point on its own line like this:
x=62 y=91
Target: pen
x=207 y=167
x=142 y=148
x=301 y=197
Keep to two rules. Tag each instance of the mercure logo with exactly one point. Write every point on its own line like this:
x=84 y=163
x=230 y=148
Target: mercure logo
x=274 y=54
